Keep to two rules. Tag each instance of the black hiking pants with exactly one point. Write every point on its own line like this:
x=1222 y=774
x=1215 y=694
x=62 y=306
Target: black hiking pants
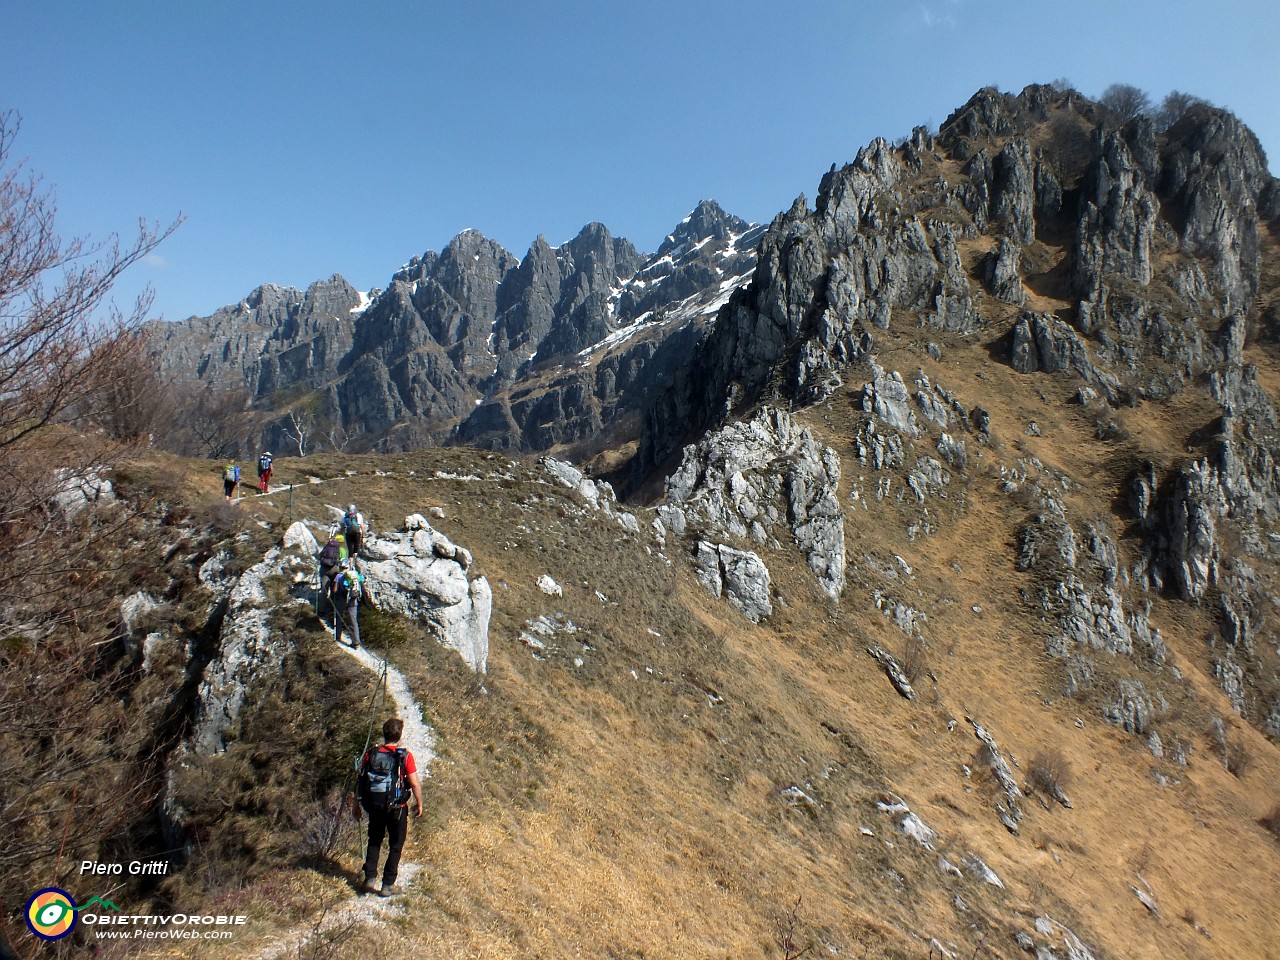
x=324 y=599
x=394 y=825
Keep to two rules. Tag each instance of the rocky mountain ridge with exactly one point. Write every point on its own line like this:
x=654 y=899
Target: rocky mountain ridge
x=1133 y=268
x=1130 y=266
x=470 y=344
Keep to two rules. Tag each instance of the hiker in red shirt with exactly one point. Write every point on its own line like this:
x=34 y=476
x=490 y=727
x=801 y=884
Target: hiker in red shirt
x=264 y=473
x=388 y=776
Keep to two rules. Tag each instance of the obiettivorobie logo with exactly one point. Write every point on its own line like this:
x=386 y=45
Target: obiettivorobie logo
x=51 y=912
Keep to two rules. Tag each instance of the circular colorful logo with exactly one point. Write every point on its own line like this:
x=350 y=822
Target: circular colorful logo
x=51 y=914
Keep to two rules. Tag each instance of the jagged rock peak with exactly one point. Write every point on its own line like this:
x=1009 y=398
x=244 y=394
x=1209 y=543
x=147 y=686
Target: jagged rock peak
x=708 y=221
x=990 y=114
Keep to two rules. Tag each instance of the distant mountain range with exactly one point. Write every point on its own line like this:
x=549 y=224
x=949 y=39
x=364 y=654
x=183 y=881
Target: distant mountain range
x=474 y=344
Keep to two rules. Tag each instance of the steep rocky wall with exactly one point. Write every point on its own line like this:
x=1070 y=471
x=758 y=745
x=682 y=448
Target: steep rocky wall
x=1159 y=236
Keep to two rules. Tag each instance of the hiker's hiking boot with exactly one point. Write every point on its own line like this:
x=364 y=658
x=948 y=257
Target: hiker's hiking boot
x=371 y=884
x=388 y=889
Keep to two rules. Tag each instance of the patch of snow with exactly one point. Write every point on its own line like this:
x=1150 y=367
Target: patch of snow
x=657 y=263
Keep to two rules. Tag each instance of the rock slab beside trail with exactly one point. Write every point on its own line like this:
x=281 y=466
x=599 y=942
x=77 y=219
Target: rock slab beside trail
x=420 y=574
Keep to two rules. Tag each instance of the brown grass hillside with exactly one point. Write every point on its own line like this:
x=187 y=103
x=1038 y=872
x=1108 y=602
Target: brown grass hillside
x=695 y=778
x=668 y=780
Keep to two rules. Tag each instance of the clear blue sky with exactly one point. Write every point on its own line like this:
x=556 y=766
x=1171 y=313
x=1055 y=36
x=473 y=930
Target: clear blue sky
x=306 y=139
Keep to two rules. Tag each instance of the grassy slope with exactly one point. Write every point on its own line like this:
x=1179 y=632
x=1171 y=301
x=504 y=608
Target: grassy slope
x=613 y=809
x=616 y=809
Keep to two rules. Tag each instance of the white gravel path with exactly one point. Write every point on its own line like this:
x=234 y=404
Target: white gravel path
x=370 y=908
x=417 y=736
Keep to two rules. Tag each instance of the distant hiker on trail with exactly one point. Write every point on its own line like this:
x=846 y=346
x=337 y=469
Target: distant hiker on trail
x=264 y=473
x=387 y=777
x=332 y=555
x=230 y=480
x=353 y=527
x=348 y=587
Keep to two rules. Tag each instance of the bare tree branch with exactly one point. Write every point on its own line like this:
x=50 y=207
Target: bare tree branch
x=301 y=424
x=76 y=755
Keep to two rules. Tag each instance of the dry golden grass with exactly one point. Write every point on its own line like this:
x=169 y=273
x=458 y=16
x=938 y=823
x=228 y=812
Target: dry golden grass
x=586 y=810
x=618 y=809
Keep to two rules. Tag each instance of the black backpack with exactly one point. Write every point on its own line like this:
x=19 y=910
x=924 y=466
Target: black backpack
x=383 y=784
x=331 y=555
x=264 y=464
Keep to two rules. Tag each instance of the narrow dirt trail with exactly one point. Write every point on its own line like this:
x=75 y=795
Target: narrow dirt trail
x=362 y=909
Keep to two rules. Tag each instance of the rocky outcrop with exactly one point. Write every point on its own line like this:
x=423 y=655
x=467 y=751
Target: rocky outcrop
x=1002 y=275
x=596 y=494
x=1009 y=810
x=1082 y=594
x=248 y=652
x=75 y=490
x=421 y=575
x=892 y=670
x=1115 y=226
x=740 y=576
x=418 y=574
x=1043 y=343
x=759 y=480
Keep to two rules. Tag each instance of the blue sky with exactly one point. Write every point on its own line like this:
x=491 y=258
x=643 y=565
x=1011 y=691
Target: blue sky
x=306 y=139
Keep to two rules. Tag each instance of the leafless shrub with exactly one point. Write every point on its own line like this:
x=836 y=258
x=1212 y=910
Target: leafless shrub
x=1235 y=753
x=1125 y=101
x=1271 y=822
x=915 y=659
x=327 y=937
x=784 y=933
x=1237 y=758
x=76 y=760
x=1172 y=108
x=1049 y=771
x=214 y=420
x=224 y=519
x=321 y=825
x=301 y=425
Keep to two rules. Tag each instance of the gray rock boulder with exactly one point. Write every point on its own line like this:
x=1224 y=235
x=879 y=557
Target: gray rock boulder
x=739 y=576
x=421 y=575
x=886 y=397
x=1001 y=273
x=1132 y=709
x=300 y=537
x=248 y=652
x=757 y=478
x=76 y=490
